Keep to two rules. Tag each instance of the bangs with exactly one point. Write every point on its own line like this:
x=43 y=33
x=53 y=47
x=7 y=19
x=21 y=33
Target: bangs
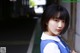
x=60 y=15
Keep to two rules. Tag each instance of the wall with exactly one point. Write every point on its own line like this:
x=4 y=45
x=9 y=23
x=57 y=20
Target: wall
x=77 y=36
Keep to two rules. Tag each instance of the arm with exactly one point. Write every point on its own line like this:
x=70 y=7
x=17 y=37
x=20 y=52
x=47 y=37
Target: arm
x=73 y=51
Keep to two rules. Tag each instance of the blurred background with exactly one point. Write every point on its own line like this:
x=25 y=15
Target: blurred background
x=20 y=30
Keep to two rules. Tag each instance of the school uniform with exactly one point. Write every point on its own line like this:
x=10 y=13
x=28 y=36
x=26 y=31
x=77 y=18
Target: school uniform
x=52 y=44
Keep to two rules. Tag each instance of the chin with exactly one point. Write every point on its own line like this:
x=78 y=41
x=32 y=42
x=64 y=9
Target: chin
x=57 y=34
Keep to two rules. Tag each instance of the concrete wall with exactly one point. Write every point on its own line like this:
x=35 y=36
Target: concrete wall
x=77 y=36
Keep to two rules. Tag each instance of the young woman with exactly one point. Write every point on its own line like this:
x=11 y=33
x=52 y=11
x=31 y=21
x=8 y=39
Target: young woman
x=54 y=22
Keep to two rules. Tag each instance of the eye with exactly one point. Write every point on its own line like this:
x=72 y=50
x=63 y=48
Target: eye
x=57 y=20
x=63 y=21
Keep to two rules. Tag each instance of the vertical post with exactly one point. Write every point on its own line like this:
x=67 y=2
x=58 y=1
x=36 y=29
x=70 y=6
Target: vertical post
x=72 y=29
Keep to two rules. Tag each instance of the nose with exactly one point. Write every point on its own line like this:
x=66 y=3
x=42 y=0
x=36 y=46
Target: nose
x=60 y=24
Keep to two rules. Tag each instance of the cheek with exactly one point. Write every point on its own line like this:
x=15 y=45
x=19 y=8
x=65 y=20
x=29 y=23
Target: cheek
x=63 y=25
x=52 y=25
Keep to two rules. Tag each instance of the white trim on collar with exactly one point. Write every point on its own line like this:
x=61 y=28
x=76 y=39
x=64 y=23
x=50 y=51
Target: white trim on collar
x=46 y=36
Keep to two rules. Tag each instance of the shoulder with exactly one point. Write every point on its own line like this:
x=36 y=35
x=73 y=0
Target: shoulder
x=51 y=48
x=51 y=44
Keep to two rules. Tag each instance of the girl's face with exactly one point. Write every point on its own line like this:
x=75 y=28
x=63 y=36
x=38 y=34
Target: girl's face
x=55 y=26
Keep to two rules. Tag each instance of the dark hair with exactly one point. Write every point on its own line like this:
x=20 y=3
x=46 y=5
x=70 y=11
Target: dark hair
x=52 y=12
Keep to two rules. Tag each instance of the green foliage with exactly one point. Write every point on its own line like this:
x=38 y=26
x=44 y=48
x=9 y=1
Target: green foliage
x=32 y=3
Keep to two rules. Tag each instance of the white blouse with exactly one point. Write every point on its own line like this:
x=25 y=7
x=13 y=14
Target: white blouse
x=51 y=47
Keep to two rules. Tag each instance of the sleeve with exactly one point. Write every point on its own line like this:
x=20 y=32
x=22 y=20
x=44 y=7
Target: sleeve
x=51 y=48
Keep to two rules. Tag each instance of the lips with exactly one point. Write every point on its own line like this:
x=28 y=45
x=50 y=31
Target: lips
x=59 y=30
